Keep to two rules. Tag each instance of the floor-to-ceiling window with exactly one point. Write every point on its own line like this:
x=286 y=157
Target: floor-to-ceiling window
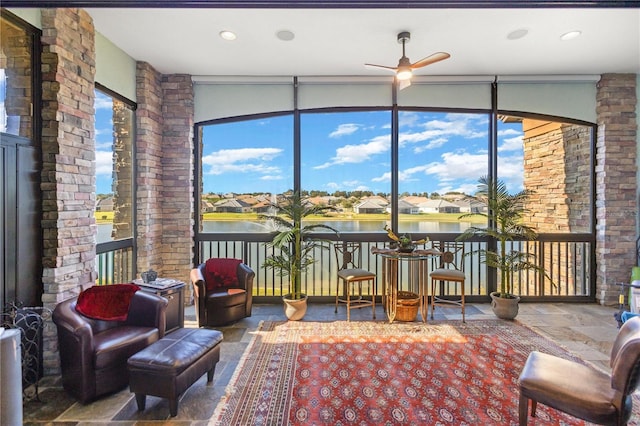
x=115 y=185
x=417 y=173
x=441 y=155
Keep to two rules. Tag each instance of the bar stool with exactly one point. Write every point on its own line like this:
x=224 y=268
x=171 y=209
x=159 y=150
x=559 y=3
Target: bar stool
x=352 y=278
x=451 y=269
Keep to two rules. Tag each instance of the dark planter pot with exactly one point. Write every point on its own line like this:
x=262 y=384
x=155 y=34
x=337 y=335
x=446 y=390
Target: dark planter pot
x=504 y=307
x=294 y=309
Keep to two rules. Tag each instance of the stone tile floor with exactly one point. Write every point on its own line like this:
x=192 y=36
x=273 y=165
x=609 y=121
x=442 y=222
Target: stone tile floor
x=587 y=330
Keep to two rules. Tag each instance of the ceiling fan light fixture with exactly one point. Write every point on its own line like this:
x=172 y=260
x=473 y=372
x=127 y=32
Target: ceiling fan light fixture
x=228 y=35
x=570 y=35
x=404 y=73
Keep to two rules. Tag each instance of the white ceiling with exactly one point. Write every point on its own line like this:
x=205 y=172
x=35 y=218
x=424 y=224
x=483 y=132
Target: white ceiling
x=337 y=42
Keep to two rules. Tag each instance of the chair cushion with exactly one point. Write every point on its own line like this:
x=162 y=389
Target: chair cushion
x=221 y=272
x=116 y=345
x=106 y=302
x=225 y=297
x=447 y=274
x=354 y=274
x=572 y=387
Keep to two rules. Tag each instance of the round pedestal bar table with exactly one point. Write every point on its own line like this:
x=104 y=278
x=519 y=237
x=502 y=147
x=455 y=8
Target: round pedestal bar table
x=418 y=277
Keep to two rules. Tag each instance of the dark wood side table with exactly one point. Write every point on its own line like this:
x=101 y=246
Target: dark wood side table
x=173 y=291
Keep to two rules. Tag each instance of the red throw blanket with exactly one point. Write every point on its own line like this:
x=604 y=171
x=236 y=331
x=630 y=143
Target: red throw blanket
x=106 y=302
x=221 y=272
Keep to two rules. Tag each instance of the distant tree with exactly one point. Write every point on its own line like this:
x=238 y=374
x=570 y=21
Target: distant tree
x=435 y=195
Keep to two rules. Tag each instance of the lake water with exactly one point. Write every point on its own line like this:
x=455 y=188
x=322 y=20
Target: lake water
x=343 y=226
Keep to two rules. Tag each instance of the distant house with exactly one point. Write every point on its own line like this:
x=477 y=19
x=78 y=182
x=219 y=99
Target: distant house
x=206 y=206
x=368 y=207
x=231 y=206
x=470 y=205
x=105 y=204
x=415 y=200
x=438 y=206
x=261 y=207
x=405 y=207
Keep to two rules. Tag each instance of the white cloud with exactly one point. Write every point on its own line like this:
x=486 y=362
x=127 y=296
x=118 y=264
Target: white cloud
x=438 y=132
x=511 y=144
x=344 y=129
x=386 y=177
x=243 y=160
x=509 y=132
x=272 y=177
x=350 y=154
x=102 y=102
x=104 y=163
x=436 y=143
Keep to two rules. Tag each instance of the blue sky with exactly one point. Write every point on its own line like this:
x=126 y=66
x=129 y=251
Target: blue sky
x=104 y=143
x=347 y=151
x=439 y=152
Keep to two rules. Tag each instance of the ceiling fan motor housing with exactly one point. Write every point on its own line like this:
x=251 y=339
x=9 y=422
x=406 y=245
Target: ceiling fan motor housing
x=404 y=37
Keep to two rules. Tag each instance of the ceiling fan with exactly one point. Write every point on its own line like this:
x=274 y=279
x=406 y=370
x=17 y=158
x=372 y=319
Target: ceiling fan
x=404 y=70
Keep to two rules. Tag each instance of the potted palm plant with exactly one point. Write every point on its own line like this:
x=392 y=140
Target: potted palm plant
x=295 y=246
x=504 y=213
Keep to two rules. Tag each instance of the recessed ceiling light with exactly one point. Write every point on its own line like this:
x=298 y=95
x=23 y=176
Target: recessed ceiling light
x=285 y=35
x=570 y=35
x=228 y=35
x=516 y=34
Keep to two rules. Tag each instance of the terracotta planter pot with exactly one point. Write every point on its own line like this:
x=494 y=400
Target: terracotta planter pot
x=294 y=309
x=504 y=308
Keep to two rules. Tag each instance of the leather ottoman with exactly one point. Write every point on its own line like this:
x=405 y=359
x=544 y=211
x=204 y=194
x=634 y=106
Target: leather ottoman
x=169 y=366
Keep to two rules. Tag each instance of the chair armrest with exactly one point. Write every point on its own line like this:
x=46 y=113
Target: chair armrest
x=68 y=320
x=148 y=310
x=75 y=340
x=245 y=277
x=199 y=284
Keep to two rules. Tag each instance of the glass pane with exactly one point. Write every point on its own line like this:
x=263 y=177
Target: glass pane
x=15 y=81
x=245 y=164
x=441 y=156
x=554 y=160
x=346 y=162
x=114 y=168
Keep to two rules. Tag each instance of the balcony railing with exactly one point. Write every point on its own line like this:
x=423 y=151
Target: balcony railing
x=567 y=258
x=114 y=262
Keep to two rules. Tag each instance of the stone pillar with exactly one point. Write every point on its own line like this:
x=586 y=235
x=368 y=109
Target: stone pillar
x=68 y=162
x=177 y=184
x=149 y=130
x=165 y=118
x=616 y=188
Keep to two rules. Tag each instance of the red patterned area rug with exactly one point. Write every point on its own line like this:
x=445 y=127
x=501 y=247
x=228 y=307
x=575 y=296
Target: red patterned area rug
x=376 y=373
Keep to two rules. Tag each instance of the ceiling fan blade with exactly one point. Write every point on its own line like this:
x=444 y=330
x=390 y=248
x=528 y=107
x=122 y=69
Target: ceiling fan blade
x=403 y=84
x=381 y=66
x=436 y=57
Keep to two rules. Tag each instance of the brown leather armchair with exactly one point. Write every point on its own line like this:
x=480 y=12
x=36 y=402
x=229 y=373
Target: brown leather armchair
x=226 y=301
x=94 y=353
x=581 y=390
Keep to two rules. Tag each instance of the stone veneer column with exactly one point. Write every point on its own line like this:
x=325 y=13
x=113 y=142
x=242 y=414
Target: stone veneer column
x=165 y=117
x=616 y=188
x=177 y=184
x=149 y=158
x=68 y=163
